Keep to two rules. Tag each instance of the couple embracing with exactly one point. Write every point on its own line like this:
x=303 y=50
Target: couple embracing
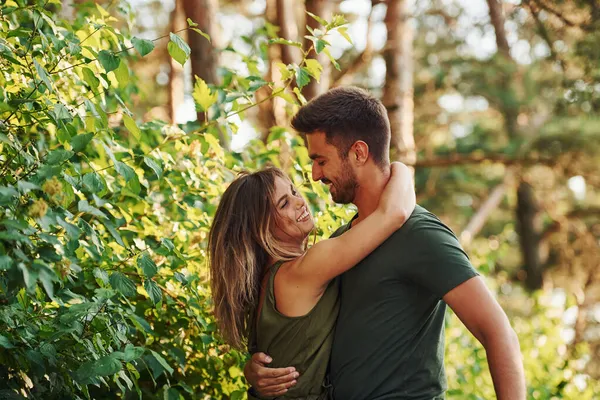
x=359 y=316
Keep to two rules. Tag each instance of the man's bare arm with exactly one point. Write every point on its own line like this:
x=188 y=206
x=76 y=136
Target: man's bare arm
x=269 y=382
x=482 y=315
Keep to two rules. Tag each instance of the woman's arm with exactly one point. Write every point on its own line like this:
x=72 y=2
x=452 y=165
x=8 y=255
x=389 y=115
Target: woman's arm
x=330 y=258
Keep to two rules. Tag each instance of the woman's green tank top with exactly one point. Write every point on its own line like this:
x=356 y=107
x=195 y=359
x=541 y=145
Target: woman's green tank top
x=301 y=342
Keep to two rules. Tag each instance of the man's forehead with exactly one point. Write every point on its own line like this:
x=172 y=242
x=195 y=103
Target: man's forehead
x=316 y=143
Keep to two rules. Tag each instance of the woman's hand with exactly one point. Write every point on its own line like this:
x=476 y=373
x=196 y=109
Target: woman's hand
x=399 y=199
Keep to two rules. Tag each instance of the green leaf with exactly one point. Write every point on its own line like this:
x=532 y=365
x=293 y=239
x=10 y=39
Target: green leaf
x=73 y=232
x=154 y=166
x=122 y=74
x=162 y=362
x=191 y=23
x=26 y=187
x=104 y=366
x=85 y=207
x=146 y=264
x=80 y=142
x=142 y=46
x=344 y=32
x=320 y=46
x=5 y=342
x=60 y=113
x=178 y=49
x=5 y=263
x=317 y=18
x=202 y=95
x=206 y=35
x=43 y=74
x=47 y=278
x=93 y=182
x=131 y=126
x=113 y=232
x=122 y=284
x=90 y=78
x=153 y=291
x=125 y=171
x=171 y=394
x=58 y=156
x=109 y=60
x=333 y=61
x=314 y=68
x=132 y=352
x=284 y=71
x=302 y=77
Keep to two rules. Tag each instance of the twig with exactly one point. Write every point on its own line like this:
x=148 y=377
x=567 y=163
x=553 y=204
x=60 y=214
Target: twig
x=462 y=159
x=556 y=13
x=116 y=52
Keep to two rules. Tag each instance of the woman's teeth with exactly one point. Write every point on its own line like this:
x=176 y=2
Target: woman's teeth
x=304 y=216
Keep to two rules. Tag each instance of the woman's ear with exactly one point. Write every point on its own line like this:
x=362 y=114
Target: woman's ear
x=359 y=152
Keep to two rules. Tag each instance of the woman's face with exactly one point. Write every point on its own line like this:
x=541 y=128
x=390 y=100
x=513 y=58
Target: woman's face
x=294 y=221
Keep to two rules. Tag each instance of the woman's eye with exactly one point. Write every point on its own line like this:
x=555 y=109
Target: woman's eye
x=285 y=203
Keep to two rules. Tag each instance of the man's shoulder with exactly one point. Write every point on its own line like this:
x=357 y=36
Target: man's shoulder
x=421 y=225
x=421 y=218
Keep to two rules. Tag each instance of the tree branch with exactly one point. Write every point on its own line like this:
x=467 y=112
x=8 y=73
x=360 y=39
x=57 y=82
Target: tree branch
x=475 y=158
x=480 y=217
x=573 y=214
x=545 y=35
x=556 y=13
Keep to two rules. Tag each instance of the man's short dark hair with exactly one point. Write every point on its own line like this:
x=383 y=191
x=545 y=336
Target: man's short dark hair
x=345 y=115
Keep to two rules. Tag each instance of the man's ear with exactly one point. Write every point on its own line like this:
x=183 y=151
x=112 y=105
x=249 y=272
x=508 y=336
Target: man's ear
x=359 y=152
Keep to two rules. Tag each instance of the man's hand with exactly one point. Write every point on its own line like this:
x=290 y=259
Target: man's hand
x=269 y=382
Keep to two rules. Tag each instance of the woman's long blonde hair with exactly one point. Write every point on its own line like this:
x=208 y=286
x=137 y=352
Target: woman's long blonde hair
x=240 y=245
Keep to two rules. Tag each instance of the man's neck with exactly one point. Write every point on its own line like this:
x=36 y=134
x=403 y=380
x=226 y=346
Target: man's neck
x=369 y=191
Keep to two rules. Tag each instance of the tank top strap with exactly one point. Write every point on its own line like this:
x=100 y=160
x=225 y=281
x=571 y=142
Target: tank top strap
x=272 y=271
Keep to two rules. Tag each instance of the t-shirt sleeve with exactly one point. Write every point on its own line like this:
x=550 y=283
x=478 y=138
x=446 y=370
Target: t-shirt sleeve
x=440 y=264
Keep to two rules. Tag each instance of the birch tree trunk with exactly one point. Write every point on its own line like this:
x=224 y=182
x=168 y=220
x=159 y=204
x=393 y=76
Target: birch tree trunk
x=203 y=56
x=398 y=89
x=322 y=8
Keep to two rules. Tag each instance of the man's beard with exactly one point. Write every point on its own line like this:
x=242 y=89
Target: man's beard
x=345 y=187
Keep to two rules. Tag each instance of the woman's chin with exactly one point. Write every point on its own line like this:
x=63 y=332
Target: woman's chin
x=310 y=225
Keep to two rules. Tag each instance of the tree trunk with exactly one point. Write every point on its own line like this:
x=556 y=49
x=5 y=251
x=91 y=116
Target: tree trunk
x=266 y=112
x=288 y=29
x=203 y=56
x=529 y=235
x=322 y=8
x=398 y=89
x=527 y=209
x=176 y=77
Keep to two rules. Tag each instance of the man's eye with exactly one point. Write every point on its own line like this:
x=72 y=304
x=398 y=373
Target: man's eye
x=321 y=163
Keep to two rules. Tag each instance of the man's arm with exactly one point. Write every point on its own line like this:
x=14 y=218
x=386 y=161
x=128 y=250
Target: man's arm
x=482 y=315
x=269 y=382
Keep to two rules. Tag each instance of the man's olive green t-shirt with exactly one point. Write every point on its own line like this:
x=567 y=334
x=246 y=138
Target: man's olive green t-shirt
x=389 y=339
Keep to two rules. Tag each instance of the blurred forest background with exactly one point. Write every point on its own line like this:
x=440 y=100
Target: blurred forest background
x=121 y=123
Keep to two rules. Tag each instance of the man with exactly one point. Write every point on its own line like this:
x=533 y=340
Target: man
x=389 y=340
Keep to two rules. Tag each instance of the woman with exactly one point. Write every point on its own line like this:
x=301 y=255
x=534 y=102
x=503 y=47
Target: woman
x=273 y=293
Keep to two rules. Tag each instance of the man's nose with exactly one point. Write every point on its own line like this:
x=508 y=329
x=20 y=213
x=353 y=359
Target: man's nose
x=316 y=172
